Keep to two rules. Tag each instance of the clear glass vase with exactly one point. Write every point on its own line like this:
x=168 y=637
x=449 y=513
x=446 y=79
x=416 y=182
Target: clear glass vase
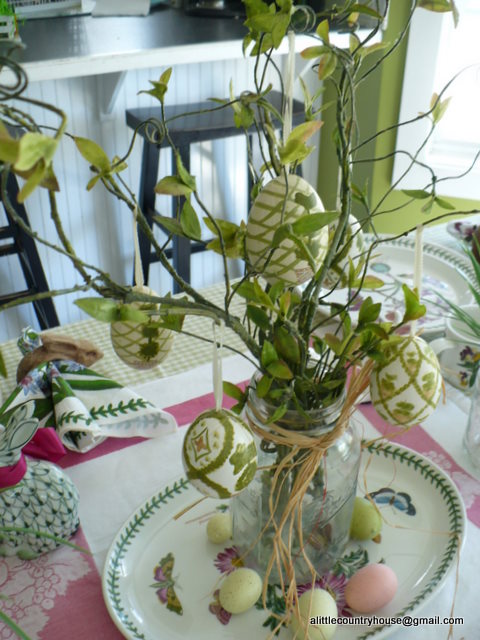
x=326 y=508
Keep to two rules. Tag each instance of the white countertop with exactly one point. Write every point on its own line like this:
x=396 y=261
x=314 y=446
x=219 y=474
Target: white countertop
x=85 y=45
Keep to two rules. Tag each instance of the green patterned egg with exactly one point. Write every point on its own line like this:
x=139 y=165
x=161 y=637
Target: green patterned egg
x=352 y=249
x=273 y=207
x=406 y=387
x=219 y=454
x=141 y=345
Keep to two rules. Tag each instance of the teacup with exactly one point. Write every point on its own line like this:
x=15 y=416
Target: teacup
x=459 y=350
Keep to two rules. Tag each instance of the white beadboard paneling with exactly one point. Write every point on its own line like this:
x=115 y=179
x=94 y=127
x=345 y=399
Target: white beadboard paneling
x=100 y=227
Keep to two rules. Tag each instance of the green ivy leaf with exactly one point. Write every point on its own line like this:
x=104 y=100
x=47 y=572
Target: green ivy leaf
x=327 y=64
x=32 y=148
x=3 y=369
x=171 y=225
x=187 y=179
x=263 y=386
x=160 y=88
x=310 y=53
x=129 y=313
x=93 y=153
x=280 y=369
x=286 y=345
x=444 y=204
x=417 y=194
x=101 y=309
x=369 y=311
x=268 y=354
x=323 y=31
x=258 y=316
x=440 y=6
x=438 y=107
x=413 y=308
x=361 y=8
x=233 y=391
x=35 y=178
x=189 y=222
x=312 y=222
x=172 y=186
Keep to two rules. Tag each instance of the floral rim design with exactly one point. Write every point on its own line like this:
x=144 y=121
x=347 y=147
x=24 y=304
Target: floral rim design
x=171 y=500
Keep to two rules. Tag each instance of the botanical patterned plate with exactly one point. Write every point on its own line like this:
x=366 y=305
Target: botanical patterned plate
x=444 y=272
x=161 y=573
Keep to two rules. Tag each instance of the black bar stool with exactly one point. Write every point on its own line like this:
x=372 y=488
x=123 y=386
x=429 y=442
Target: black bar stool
x=184 y=131
x=14 y=240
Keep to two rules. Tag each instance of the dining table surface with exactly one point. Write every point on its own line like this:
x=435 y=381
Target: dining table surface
x=59 y=595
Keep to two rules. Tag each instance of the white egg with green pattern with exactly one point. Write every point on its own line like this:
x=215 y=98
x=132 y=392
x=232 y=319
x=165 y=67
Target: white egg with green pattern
x=405 y=387
x=141 y=345
x=219 y=454
x=351 y=251
x=276 y=205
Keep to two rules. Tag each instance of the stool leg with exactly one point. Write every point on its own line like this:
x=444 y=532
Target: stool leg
x=146 y=200
x=181 y=249
x=30 y=260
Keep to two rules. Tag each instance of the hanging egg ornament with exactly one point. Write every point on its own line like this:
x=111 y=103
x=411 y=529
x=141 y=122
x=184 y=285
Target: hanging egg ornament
x=219 y=454
x=352 y=250
x=276 y=205
x=405 y=387
x=141 y=345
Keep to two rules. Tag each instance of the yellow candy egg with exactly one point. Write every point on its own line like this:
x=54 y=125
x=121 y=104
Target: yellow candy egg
x=313 y=607
x=240 y=590
x=405 y=388
x=279 y=204
x=219 y=454
x=141 y=345
x=219 y=528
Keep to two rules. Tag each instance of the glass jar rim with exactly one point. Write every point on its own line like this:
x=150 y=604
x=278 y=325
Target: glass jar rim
x=315 y=421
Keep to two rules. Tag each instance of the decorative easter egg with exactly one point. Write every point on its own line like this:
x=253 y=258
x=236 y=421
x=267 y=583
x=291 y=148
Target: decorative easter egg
x=141 y=345
x=219 y=454
x=405 y=388
x=352 y=250
x=366 y=522
x=240 y=590
x=276 y=205
x=219 y=528
x=313 y=606
x=371 y=588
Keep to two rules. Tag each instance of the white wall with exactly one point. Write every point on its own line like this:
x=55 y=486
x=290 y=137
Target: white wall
x=101 y=228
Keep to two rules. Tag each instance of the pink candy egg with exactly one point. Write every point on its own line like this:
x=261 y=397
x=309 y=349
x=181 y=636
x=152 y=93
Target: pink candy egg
x=371 y=588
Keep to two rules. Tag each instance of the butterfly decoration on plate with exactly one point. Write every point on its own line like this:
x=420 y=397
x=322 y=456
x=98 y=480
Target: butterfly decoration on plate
x=165 y=583
x=397 y=499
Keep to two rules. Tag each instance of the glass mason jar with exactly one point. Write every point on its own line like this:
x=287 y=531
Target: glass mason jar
x=326 y=508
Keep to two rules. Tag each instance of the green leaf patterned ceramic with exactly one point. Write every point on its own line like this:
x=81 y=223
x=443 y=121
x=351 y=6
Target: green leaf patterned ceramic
x=420 y=555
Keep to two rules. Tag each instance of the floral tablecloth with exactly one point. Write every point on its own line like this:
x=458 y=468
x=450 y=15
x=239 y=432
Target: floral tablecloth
x=59 y=595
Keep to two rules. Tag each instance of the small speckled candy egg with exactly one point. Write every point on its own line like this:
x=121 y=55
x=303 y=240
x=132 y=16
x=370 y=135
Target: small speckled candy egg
x=265 y=218
x=313 y=606
x=141 y=345
x=405 y=388
x=219 y=454
x=366 y=522
x=353 y=249
x=219 y=528
x=371 y=588
x=240 y=590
